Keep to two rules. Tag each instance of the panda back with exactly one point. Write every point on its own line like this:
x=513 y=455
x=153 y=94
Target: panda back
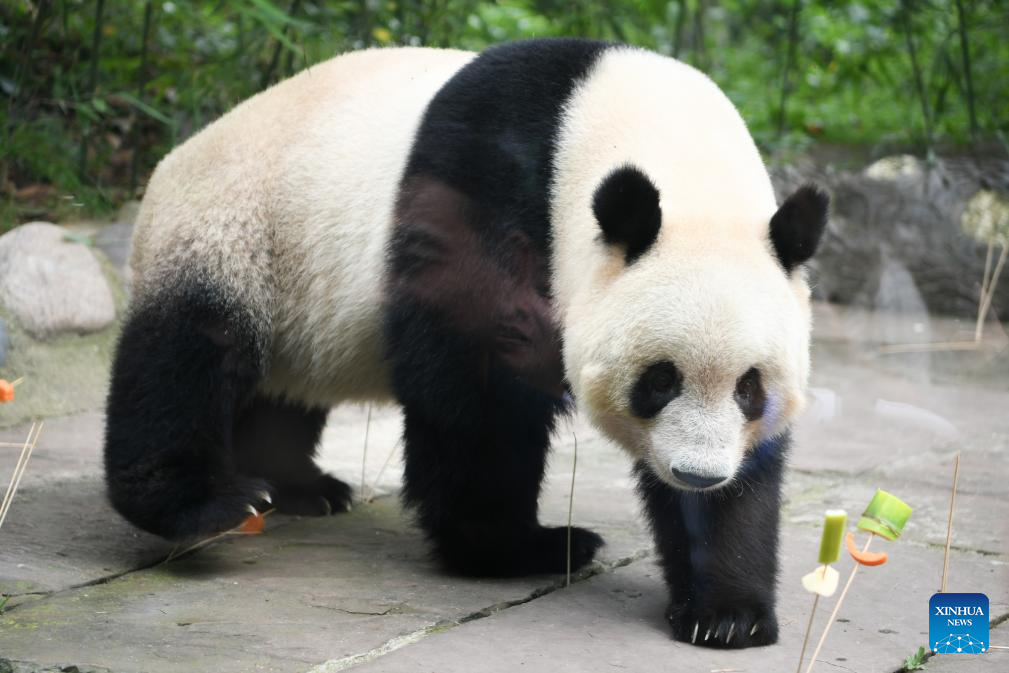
x=285 y=204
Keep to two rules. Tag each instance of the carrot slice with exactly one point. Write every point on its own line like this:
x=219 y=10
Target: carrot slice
x=253 y=525
x=6 y=390
x=868 y=558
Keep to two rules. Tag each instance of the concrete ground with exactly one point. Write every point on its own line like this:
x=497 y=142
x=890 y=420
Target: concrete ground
x=357 y=591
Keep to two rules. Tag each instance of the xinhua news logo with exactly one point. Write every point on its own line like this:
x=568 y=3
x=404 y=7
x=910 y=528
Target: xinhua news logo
x=958 y=623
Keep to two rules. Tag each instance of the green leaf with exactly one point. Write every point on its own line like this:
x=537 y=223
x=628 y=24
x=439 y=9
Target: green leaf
x=916 y=661
x=145 y=108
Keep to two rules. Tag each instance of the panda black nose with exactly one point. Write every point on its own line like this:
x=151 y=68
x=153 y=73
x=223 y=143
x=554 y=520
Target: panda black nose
x=697 y=480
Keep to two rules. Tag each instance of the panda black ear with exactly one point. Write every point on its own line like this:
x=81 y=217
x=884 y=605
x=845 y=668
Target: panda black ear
x=626 y=205
x=798 y=225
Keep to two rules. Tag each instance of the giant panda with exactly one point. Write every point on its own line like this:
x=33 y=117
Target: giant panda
x=482 y=239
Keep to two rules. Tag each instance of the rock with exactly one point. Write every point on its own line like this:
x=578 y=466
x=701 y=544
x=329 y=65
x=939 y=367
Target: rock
x=5 y=344
x=51 y=285
x=900 y=219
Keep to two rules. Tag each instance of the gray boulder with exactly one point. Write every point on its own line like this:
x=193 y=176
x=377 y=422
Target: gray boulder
x=51 y=285
x=900 y=220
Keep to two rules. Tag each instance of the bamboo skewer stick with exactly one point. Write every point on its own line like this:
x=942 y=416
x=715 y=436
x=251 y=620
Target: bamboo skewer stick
x=571 y=503
x=809 y=627
x=837 y=607
x=989 y=294
x=388 y=459
x=929 y=347
x=19 y=469
x=9 y=493
x=984 y=290
x=174 y=554
x=364 y=455
x=949 y=523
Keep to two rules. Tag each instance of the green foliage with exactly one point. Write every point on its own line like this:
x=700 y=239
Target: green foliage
x=916 y=661
x=873 y=73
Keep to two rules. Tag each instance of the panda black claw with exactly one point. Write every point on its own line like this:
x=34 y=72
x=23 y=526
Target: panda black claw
x=324 y=496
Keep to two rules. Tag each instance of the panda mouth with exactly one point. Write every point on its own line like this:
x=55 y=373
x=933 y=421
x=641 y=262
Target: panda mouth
x=699 y=482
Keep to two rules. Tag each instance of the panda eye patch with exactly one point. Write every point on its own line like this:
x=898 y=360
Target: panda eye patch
x=655 y=388
x=750 y=395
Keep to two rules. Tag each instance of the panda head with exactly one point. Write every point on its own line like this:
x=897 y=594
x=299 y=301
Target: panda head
x=691 y=345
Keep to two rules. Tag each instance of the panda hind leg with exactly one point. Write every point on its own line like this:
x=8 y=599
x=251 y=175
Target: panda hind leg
x=184 y=363
x=276 y=440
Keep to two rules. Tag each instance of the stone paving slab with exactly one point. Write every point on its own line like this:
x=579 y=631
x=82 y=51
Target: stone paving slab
x=993 y=660
x=61 y=532
x=359 y=589
x=614 y=621
x=303 y=592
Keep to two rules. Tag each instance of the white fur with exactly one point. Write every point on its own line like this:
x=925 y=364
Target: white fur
x=289 y=197
x=708 y=296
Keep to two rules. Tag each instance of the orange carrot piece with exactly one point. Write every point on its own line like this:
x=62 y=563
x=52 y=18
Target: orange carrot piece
x=253 y=525
x=6 y=390
x=869 y=558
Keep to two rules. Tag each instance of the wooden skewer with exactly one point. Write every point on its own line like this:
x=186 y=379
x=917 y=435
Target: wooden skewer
x=990 y=293
x=571 y=502
x=388 y=459
x=19 y=470
x=364 y=456
x=174 y=554
x=8 y=495
x=979 y=324
x=930 y=347
x=809 y=627
x=949 y=523
x=837 y=607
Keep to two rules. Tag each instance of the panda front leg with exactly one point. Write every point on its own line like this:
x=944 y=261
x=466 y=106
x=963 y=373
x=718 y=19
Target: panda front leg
x=718 y=552
x=476 y=440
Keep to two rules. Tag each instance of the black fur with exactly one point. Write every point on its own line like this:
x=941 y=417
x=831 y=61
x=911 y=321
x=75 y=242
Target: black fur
x=476 y=443
x=626 y=206
x=750 y=395
x=718 y=551
x=797 y=226
x=490 y=132
x=475 y=355
x=185 y=445
x=659 y=385
x=276 y=440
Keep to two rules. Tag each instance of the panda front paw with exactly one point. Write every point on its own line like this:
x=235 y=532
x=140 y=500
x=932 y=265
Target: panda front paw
x=550 y=551
x=732 y=627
